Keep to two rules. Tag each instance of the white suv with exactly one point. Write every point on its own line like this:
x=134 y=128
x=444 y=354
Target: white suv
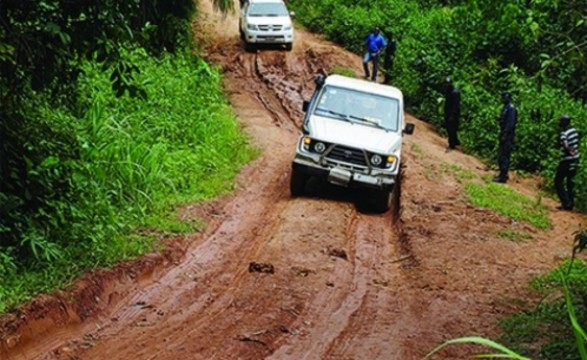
x=352 y=136
x=266 y=22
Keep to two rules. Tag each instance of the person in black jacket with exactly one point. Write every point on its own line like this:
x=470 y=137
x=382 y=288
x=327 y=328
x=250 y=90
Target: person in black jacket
x=388 y=59
x=452 y=113
x=507 y=128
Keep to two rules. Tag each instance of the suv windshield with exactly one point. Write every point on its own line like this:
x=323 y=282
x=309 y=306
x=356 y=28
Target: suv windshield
x=350 y=105
x=268 y=9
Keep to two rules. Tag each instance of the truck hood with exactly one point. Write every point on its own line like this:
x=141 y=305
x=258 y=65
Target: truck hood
x=356 y=135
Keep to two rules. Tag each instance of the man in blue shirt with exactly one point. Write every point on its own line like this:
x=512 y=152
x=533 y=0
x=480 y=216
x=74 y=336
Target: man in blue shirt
x=374 y=43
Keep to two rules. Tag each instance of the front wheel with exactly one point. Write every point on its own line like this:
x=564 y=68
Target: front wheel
x=382 y=200
x=297 y=184
x=288 y=46
x=249 y=47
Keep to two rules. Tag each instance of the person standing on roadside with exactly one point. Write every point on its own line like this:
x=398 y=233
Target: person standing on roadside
x=388 y=59
x=374 y=43
x=567 y=167
x=507 y=127
x=452 y=113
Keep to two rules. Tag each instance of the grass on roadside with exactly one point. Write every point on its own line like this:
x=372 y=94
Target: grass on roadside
x=508 y=202
x=344 y=71
x=545 y=332
x=515 y=236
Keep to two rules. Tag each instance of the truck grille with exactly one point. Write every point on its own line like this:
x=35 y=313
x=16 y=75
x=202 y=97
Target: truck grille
x=270 y=27
x=348 y=155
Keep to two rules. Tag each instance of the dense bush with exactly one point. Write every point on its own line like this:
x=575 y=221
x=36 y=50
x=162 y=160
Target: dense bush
x=532 y=49
x=118 y=167
x=101 y=132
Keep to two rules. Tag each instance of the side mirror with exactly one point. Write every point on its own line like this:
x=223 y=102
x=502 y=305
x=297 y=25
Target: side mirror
x=292 y=14
x=319 y=81
x=305 y=105
x=409 y=129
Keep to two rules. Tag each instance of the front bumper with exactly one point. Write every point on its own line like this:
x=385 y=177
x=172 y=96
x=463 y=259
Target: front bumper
x=269 y=37
x=343 y=175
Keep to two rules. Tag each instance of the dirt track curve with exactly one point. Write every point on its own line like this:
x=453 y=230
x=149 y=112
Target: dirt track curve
x=275 y=277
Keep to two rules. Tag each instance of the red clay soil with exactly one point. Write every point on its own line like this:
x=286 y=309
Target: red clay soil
x=276 y=277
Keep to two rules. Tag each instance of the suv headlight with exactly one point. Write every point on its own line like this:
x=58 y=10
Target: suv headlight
x=382 y=161
x=319 y=147
x=376 y=160
x=251 y=26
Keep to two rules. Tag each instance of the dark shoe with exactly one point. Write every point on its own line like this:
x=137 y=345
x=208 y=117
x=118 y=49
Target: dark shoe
x=564 y=208
x=499 y=179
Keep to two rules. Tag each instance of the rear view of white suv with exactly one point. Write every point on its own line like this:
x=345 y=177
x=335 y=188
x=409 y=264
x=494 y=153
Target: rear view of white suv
x=266 y=22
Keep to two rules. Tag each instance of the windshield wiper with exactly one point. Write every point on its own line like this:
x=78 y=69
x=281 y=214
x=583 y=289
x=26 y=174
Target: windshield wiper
x=340 y=115
x=368 y=120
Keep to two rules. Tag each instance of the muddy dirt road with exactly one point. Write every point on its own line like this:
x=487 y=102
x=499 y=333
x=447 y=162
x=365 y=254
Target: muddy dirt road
x=330 y=282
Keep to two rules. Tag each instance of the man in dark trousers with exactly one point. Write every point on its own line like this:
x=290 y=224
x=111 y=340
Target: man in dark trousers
x=374 y=44
x=388 y=59
x=507 y=128
x=452 y=113
x=567 y=167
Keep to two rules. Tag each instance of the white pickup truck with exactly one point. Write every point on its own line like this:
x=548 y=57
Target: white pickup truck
x=266 y=22
x=352 y=136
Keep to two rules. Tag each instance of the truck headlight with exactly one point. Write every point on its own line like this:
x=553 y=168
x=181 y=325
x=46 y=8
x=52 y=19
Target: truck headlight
x=376 y=160
x=319 y=147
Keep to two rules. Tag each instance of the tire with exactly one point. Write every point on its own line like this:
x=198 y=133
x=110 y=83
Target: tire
x=382 y=200
x=297 y=183
x=288 y=46
x=249 y=47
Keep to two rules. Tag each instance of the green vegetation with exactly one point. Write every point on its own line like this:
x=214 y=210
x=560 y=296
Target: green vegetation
x=463 y=175
x=341 y=70
x=545 y=332
x=506 y=201
x=131 y=161
x=515 y=236
x=503 y=352
x=534 y=49
x=108 y=124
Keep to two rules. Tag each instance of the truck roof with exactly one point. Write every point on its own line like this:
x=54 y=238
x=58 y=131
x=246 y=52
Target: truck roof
x=364 y=85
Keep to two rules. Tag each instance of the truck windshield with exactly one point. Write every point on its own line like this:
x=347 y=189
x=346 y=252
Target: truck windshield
x=268 y=9
x=351 y=105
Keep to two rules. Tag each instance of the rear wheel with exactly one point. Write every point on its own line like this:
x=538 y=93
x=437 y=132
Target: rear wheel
x=297 y=184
